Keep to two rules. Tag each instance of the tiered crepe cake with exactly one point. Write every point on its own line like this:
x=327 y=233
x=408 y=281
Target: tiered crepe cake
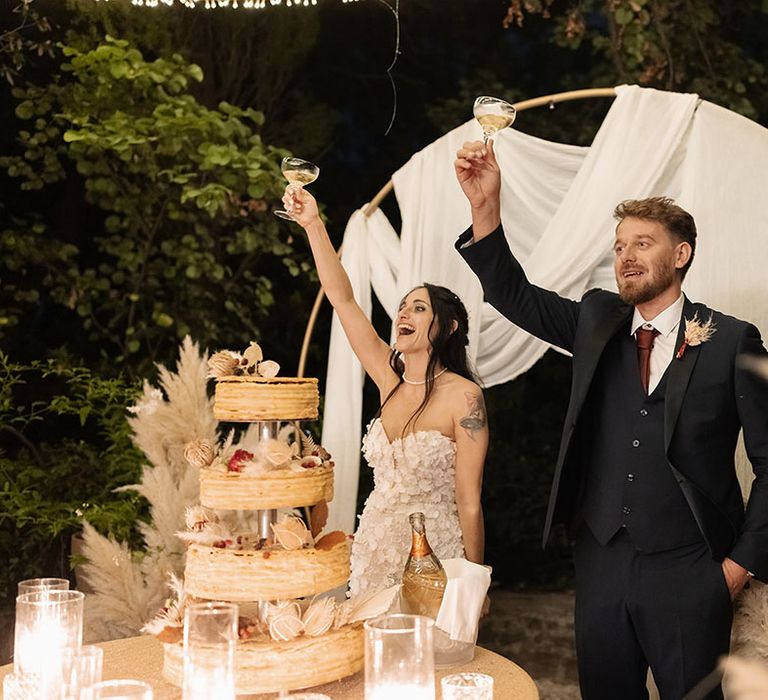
x=270 y=573
x=252 y=398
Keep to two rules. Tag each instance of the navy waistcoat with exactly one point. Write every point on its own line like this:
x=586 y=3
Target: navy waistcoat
x=627 y=480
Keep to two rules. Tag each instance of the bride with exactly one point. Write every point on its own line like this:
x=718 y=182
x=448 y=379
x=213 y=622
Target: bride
x=428 y=442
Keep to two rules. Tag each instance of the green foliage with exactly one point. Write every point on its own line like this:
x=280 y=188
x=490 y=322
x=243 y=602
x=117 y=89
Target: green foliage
x=186 y=242
x=23 y=33
x=704 y=46
x=65 y=446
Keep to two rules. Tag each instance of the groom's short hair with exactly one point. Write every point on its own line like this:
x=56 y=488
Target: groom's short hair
x=678 y=222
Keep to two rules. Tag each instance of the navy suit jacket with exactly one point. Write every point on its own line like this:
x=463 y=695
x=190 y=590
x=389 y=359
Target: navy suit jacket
x=708 y=400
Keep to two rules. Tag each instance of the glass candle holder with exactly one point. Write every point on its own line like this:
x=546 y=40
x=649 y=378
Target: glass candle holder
x=210 y=638
x=86 y=672
x=48 y=634
x=121 y=690
x=19 y=687
x=399 y=658
x=467 y=686
x=36 y=585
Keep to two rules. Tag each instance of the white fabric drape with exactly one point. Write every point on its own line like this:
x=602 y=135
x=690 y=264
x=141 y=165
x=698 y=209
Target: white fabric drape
x=557 y=204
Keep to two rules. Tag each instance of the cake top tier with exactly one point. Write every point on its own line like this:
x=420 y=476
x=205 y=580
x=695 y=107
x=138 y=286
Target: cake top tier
x=249 y=399
x=248 y=389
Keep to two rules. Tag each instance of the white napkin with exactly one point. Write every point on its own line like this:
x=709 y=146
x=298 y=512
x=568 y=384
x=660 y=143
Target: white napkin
x=463 y=600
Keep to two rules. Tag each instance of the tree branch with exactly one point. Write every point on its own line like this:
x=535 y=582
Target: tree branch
x=36 y=454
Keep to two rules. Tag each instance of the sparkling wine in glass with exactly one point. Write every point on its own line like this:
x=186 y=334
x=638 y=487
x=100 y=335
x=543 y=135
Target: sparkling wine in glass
x=298 y=172
x=493 y=114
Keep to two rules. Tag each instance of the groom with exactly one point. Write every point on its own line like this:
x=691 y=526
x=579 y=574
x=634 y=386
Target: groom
x=645 y=479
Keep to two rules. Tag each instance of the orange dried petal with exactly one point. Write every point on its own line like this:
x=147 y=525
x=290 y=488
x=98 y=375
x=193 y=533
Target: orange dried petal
x=330 y=540
x=318 y=517
x=171 y=635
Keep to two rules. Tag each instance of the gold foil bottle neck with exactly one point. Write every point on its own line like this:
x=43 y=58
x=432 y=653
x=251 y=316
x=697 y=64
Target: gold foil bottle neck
x=419 y=545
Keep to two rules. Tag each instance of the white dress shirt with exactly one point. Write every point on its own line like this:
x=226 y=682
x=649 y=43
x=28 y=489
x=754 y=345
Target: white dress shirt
x=663 y=350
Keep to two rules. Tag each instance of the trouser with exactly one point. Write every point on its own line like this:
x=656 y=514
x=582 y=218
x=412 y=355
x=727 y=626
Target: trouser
x=670 y=610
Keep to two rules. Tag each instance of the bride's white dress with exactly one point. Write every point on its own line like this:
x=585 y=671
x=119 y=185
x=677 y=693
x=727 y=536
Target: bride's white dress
x=414 y=473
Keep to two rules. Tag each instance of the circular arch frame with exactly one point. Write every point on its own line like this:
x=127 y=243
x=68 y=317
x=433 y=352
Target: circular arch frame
x=373 y=205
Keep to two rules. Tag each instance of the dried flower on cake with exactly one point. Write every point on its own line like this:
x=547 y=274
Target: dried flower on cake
x=311 y=462
x=318 y=517
x=168 y=624
x=249 y=627
x=309 y=448
x=236 y=463
x=366 y=606
x=253 y=354
x=277 y=452
x=291 y=533
x=204 y=528
x=199 y=453
x=284 y=620
x=268 y=369
x=223 y=364
x=198 y=517
x=329 y=541
x=319 y=616
x=254 y=363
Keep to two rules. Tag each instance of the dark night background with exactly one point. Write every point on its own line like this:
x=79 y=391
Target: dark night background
x=319 y=76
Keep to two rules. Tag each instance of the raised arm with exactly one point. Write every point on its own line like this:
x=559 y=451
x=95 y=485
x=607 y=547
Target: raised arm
x=471 y=435
x=370 y=349
x=480 y=179
x=541 y=312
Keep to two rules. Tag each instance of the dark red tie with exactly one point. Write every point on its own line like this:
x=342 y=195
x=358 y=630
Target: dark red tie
x=645 y=338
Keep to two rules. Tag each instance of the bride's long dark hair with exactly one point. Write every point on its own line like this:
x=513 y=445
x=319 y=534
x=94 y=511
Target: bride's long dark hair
x=449 y=346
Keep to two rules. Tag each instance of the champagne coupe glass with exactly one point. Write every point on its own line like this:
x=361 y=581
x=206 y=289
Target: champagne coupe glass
x=493 y=114
x=298 y=172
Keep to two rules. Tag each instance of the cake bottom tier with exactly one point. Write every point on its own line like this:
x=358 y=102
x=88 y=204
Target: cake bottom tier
x=269 y=667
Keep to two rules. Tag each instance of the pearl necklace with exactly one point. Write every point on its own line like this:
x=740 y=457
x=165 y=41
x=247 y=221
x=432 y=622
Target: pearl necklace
x=424 y=381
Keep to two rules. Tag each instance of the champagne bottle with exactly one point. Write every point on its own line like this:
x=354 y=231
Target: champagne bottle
x=424 y=578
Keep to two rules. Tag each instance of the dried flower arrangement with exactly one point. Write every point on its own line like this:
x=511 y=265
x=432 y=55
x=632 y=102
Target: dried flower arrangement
x=227 y=363
x=695 y=333
x=252 y=455
x=284 y=620
x=174 y=426
x=125 y=588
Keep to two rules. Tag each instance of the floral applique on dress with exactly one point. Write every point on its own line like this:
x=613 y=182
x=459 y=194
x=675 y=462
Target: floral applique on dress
x=414 y=473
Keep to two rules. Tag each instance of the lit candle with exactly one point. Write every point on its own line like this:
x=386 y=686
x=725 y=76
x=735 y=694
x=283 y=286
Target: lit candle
x=210 y=637
x=48 y=635
x=202 y=681
x=399 y=658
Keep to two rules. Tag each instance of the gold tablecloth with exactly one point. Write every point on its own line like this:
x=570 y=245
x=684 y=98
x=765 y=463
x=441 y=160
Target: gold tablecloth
x=141 y=658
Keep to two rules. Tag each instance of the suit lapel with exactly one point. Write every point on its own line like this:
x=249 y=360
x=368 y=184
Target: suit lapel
x=679 y=375
x=585 y=364
x=591 y=354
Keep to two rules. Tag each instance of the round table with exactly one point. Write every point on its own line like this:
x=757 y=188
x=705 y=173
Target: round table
x=141 y=658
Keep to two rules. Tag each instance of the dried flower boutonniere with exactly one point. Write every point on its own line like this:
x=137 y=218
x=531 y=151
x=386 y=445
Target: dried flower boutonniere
x=696 y=333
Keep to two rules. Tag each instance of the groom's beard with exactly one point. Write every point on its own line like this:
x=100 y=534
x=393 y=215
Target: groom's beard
x=656 y=281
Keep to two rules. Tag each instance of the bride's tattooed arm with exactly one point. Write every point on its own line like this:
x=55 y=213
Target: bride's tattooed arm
x=475 y=418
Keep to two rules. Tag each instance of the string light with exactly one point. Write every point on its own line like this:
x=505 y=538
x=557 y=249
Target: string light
x=234 y=4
